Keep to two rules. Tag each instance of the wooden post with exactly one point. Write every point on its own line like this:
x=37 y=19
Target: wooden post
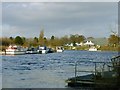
x=75 y=71
x=95 y=74
x=95 y=68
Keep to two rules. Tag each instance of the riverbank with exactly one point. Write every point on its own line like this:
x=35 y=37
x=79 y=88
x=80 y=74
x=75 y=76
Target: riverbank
x=101 y=48
x=2 y=52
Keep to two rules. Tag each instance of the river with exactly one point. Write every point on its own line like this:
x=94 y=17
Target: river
x=45 y=70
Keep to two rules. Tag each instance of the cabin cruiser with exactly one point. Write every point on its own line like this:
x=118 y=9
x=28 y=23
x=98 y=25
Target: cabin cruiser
x=59 y=49
x=92 y=49
x=31 y=50
x=15 y=50
x=42 y=49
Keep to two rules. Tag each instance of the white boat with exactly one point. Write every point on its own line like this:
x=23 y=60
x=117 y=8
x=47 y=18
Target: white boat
x=42 y=50
x=92 y=49
x=59 y=49
x=14 y=50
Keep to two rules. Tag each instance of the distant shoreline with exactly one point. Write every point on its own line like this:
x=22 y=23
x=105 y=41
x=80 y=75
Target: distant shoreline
x=4 y=53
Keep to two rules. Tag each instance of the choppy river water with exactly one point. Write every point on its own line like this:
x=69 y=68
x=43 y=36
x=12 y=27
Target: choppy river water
x=45 y=70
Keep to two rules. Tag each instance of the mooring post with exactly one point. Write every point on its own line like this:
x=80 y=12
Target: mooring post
x=75 y=71
x=95 y=74
x=95 y=68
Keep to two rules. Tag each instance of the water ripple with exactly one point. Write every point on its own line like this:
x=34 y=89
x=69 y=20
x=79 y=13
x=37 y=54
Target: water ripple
x=46 y=70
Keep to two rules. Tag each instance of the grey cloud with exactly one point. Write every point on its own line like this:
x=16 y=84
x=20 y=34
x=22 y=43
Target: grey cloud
x=72 y=17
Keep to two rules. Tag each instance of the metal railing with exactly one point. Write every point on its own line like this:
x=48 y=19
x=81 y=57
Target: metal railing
x=94 y=71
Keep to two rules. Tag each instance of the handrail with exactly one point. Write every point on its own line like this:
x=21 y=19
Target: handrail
x=116 y=61
x=107 y=70
x=116 y=57
x=91 y=62
x=92 y=71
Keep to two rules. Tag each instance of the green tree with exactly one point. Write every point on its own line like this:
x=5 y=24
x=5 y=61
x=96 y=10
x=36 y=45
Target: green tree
x=41 y=38
x=64 y=40
x=72 y=38
x=113 y=40
x=45 y=41
x=36 y=39
x=5 y=42
x=11 y=40
x=24 y=39
x=74 y=43
x=18 y=40
x=52 y=40
x=77 y=38
x=52 y=37
x=81 y=38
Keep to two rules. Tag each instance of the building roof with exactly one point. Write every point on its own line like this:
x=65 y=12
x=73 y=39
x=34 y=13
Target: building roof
x=99 y=41
x=89 y=43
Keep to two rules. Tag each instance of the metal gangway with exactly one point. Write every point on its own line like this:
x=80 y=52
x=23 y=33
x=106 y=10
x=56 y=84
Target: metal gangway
x=113 y=64
x=103 y=69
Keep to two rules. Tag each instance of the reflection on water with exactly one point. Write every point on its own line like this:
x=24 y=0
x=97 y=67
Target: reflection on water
x=45 y=70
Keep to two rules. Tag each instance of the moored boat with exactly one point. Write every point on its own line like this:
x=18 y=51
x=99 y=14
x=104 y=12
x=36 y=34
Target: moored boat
x=59 y=49
x=92 y=49
x=42 y=50
x=31 y=50
x=14 y=50
x=50 y=50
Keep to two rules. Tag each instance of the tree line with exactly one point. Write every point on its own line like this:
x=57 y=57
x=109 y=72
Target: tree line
x=113 y=40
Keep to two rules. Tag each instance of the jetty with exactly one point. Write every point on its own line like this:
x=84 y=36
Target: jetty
x=104 y=75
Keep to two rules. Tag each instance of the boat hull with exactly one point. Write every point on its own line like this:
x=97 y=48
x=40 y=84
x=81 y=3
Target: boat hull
x=92 y=49
x=59 y=50
x=31 y=52
x=15 y=52
x=42 y=51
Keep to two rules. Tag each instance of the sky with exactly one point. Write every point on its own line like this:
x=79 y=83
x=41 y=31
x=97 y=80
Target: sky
x=27 y=19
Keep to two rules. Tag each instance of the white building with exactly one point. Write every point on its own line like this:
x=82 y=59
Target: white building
x=89 y=43
x=69 y=44
x=79 y=44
